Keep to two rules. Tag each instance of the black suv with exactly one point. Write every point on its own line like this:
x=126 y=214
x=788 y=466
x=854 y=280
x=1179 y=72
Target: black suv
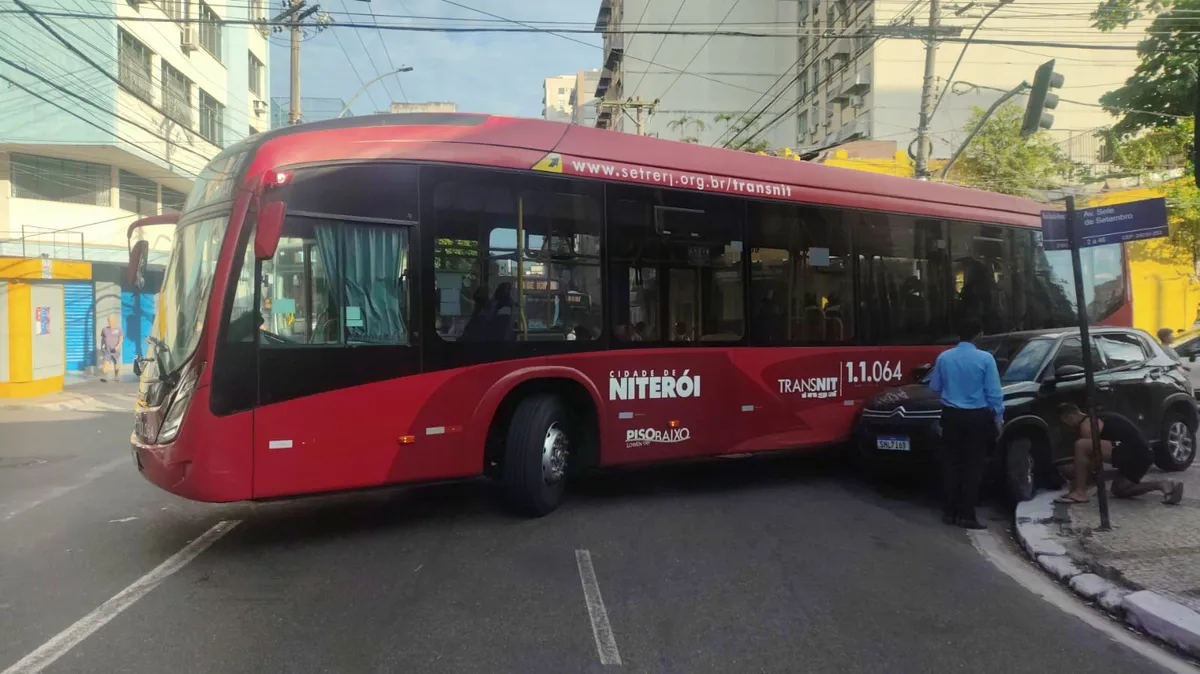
x=1038 y=371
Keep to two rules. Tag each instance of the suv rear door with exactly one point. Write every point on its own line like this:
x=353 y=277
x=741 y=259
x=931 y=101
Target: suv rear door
x=1132 y=382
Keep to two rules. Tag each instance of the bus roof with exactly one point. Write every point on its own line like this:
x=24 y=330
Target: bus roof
x=580 y=151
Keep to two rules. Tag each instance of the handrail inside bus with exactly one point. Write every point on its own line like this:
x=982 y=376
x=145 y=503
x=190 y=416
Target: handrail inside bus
x=164 y=219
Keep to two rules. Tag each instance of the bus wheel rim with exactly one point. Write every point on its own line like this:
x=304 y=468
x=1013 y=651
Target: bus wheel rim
x=554 y=454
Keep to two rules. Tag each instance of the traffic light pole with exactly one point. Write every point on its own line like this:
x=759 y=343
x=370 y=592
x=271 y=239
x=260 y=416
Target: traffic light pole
x=1089 y=390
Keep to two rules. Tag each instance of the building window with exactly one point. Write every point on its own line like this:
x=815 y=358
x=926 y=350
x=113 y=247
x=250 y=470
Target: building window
x=211 y=114
x=256 y=75
x=138 y=195
x=74 y=182
x=172 y=200
x=256 y=11
x=175 y=9
x=134 y=70
x=210 y=31
x=176 y=95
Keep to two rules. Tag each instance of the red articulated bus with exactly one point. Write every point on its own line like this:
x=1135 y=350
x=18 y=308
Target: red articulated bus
x=407 y=298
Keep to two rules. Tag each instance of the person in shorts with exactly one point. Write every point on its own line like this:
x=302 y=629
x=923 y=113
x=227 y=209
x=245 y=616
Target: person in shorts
x=110 y=349
x=1122 y=446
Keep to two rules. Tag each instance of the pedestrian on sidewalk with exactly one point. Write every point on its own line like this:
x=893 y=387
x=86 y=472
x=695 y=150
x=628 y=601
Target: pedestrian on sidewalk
x=972 y=412
x=111 y=338
x=1122 y=446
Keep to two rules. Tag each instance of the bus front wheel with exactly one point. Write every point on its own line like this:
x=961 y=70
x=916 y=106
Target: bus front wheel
x=536 y=452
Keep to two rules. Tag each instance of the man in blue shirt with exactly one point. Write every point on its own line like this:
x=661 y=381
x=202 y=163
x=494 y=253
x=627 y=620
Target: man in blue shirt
x=972 y=412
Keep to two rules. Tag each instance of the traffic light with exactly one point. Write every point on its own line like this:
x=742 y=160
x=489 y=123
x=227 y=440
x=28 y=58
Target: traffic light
x=1040 y=100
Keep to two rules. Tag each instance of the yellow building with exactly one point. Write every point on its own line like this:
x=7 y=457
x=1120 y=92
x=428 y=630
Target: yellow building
x=1166 y=291
x=32 y=323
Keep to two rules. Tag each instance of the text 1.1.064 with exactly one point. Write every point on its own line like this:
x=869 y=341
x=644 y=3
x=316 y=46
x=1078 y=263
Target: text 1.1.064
x=872 y=371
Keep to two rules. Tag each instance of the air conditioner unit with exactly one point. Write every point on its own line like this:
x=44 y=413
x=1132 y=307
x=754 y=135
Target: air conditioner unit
x=187 y=38
x=260 y=107
x=856 y=101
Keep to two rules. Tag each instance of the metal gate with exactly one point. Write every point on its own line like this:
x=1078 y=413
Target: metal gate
x=79 y=311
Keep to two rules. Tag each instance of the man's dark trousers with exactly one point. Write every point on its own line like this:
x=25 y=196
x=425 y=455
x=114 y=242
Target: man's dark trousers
x=966 y=437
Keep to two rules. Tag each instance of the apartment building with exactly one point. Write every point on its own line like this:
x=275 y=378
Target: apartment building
x=849 y=70
x=105 y=121
x=110 y=120
x=700 y=79
x=583 y=97
x=556 y=97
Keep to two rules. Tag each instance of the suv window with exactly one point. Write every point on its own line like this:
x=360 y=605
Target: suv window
x=1121 y=350
x=1071 y=353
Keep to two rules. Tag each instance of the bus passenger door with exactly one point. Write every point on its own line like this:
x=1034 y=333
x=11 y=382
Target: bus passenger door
x=336 y=338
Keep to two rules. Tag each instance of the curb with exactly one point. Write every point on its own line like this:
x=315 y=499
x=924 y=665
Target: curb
x=1038 y=531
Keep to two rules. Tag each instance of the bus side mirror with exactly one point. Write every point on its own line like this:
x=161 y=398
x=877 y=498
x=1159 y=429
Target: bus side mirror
x=268 y=229
x=135 y=273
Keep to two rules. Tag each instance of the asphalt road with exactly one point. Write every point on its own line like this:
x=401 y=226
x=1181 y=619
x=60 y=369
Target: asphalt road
x=759 y=566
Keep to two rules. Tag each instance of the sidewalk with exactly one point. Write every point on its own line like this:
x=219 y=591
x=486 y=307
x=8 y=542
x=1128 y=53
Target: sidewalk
x=90 y=395
x=1146 y=570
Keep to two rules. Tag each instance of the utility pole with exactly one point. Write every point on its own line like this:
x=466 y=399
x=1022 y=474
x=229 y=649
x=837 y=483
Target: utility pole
x=294 y=89
x=295 y=14
x=640 y=106
x=924 y=143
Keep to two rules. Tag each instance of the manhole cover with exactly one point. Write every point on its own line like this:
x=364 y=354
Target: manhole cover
x=19 y=462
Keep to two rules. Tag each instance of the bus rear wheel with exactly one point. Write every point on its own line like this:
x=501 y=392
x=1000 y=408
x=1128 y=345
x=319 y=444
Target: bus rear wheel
x=536 y=453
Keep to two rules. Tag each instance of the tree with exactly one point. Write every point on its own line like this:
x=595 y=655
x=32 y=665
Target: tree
x=1165 y=81
x=739 y=132
x=683 y=123
x=1000 y=160
x=1163 y=149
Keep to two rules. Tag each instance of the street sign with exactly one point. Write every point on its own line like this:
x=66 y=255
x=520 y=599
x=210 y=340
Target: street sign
x=1118 y=223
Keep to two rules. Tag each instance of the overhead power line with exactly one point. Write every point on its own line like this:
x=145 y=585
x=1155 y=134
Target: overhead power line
x=563 y=32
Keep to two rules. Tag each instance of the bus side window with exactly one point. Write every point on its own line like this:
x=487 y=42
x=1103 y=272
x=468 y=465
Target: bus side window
x=517 y=260
x=801 y=286
x=676 y=271
x=903 y=279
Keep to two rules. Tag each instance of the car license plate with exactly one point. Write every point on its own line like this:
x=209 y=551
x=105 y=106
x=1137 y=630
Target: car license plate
x=895 y=443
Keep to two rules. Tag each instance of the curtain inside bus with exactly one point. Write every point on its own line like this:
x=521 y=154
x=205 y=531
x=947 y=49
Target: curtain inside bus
x=370 y=262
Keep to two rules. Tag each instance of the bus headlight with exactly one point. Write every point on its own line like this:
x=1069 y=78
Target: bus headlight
x=178 y=405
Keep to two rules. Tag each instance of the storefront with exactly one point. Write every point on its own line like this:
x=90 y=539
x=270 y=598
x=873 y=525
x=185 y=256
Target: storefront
x=34 y=317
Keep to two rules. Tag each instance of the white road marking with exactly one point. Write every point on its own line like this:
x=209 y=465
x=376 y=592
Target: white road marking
x=69 y=638
x=1032 y=579
x=52 y=494
x=606 y=645
x=122 y=520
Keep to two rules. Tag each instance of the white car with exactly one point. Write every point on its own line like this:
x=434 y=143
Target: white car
x=1187 y=346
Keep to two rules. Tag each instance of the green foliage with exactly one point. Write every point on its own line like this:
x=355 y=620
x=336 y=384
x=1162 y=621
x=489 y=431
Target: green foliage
x=683 y=124
x=740 y=133
x=1000 y=160
x=1163 y=148
x=1165 y=81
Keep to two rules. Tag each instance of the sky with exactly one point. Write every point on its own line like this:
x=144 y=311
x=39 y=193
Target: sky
x=481 y=72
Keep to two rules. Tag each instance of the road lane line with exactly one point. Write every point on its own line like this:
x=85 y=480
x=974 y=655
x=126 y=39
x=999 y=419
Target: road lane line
x=606 y=645
x=69 y=638
x=52 y=494
x=1032 y=579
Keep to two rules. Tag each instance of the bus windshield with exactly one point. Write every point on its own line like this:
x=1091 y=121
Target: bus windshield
x=187 y=281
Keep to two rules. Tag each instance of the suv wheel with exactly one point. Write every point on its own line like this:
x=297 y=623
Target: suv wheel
x=1178 y=447
x=1020 y=469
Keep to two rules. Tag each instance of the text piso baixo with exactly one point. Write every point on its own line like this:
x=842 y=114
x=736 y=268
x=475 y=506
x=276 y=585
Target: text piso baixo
x=652 y=384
